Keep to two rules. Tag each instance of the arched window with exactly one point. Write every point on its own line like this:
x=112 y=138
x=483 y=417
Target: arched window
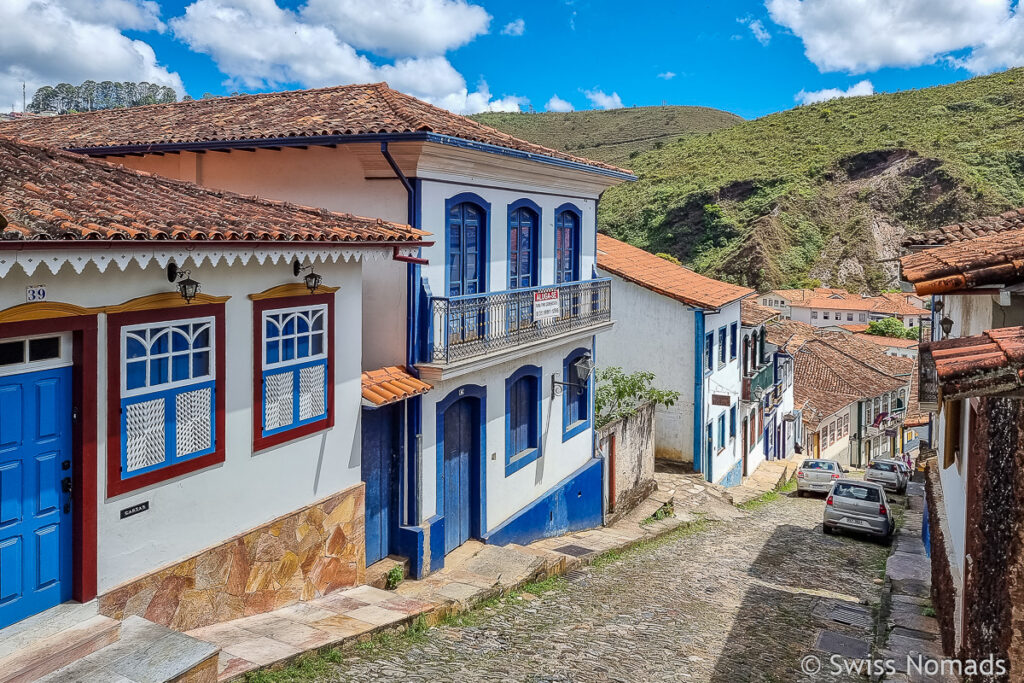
x=567 y=245
x=467 y=226
x=575 y=398
x=522 y=418
x=523 y=229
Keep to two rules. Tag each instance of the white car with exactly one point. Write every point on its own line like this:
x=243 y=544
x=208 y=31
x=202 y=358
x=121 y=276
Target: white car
x=817 y=476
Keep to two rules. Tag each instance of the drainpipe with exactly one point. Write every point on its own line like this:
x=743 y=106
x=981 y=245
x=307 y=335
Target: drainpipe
x=698 y=391
x=414 y=405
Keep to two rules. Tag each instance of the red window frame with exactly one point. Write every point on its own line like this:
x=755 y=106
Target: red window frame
x=115 y=321
x=260 y=442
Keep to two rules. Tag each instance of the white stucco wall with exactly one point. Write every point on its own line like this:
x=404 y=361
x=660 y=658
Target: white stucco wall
x=506 y=495
x=197 y=510
x=665 y=348
x=725 y=379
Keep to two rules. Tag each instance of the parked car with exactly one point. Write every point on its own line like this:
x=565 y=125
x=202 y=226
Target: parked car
x=817 y=476
x=856 y=505
x=887 y=473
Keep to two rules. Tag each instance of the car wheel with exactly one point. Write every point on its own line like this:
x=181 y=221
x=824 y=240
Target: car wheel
x=825 y=529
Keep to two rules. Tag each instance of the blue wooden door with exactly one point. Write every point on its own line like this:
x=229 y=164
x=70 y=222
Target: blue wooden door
x=460 y=447
x=380 y=472
x=465 y=250
x=522 y=240
x=567 y=246
x=35 y=513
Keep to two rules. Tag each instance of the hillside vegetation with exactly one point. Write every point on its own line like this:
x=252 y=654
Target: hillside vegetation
x=826 y=192
x=616 y=136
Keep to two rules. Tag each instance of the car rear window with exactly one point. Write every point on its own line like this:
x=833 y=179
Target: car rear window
x=883 y=466
x=817 y=465
x=865 y=493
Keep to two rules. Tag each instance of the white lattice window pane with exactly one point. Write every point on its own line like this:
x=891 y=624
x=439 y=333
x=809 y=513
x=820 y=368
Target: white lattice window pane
x=193 y=412
x=144 y=428
x=312 y=389
x=278 y=400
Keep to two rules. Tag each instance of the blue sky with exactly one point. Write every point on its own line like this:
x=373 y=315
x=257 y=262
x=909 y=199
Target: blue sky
x=751 y=58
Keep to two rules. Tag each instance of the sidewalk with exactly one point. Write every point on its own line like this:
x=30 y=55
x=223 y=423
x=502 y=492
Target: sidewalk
x=768 y=476
x=473 y=573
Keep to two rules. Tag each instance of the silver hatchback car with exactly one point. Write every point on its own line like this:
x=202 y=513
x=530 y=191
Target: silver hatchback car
x=855 y=505
x=817 y=476
x=887 y=473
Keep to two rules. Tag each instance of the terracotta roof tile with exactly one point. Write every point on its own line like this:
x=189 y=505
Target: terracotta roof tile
x=969 y=230
x=753 y=313
x=854 y=327
x=46 y=194
x=870 y=304
x=390 y=385
x=982 y=365
x=664 y=277
x=895 y=342
x=914 y=416
x=799 y=295
x=993 y=260
x=335 y=111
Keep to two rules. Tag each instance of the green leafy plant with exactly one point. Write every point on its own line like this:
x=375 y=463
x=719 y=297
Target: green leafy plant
x=394 y=577
x=891 y=327
x=620 y=395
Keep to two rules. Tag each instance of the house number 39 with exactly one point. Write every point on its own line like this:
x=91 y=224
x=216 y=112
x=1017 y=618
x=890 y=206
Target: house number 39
x=35 y=293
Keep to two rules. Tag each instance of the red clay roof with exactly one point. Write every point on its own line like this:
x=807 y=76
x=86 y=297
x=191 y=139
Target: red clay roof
x=854 y=327
x=753 y=313
x=958 y=232
x=983 y=365
x=390 y=385
x=895 y=342
x=870 y=304
x=340 y=110
x=664 y=277
x=993 y=260
x=46 y=194
x=799 y=295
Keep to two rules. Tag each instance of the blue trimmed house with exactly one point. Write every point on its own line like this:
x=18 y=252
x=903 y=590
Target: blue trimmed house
x=476 y=349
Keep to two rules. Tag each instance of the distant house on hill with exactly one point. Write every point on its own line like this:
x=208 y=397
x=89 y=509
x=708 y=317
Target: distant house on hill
x=826 y=306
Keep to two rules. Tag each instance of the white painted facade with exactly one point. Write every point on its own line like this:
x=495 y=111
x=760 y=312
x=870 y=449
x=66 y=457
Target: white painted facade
x=192 y=512
x=834 y=435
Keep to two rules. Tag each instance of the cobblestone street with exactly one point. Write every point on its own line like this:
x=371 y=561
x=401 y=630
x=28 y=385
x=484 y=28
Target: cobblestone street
x=735 y=601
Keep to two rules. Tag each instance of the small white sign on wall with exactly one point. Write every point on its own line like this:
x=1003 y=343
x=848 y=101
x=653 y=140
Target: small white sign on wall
x=35 y=293
x=546 y=304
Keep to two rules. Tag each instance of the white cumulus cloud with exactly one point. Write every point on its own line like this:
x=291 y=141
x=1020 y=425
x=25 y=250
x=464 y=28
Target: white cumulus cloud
x=855 y=90
x=53 y=41
x=514 y=28
x=602 y=100
x=756 y=27
x=259 y=44
x=556 y=103
x=667 y=75
x=866 y=35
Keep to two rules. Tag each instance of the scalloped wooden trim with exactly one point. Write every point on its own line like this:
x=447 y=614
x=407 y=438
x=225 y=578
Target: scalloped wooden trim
x=164 y=300
x=43 y=310
x=291 y=289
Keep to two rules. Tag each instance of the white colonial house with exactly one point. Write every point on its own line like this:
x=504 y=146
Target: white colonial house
x=685 y=328
x=173 y=395
x=498 y=313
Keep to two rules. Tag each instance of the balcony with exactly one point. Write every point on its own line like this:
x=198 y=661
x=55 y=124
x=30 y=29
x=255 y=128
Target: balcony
x=477 y=330
x=758 y=382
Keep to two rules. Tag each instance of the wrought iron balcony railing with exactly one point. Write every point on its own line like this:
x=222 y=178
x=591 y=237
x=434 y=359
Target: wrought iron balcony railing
x=755 y=384
x=475 y=325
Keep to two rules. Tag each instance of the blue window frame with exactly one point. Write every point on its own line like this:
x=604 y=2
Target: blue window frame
x=721 y=346
x=733 y=335
x=167 y=393
x=567 y=243
x=721 y=431
x=709 y=352
x=710 y=442
x=575 y=404
x=294 y=367
x=466 y=235
x=732 y=422
x=522 y=418
x=523 y=242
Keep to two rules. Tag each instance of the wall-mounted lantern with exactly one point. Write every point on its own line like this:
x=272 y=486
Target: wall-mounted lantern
x=579 y=373
x=187 y=287
x=947 y=326
x=312 y=279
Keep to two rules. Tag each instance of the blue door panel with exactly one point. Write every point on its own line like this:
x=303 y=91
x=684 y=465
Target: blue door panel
x=10 y=582
x=380 y=472
x=35 y=513
x=460 y=439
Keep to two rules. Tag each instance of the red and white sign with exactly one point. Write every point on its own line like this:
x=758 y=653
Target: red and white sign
x=546 y=304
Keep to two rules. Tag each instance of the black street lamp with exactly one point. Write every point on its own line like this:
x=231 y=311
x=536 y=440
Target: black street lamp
x=187 y=287
x=312 y=279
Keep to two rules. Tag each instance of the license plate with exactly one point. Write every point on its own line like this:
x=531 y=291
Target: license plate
x=854 y=522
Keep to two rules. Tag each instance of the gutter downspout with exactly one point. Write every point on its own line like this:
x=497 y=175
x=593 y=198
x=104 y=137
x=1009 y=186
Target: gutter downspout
x=414 y=405
x=698 y=391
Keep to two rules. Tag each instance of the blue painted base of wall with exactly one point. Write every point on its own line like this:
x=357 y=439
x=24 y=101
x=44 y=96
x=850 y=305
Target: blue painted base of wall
x=575 y=503
x=734 y=477
x=409 y=543
x=435 y=526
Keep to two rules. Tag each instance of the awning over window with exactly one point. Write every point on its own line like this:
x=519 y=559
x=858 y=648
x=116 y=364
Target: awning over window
x=390 y=385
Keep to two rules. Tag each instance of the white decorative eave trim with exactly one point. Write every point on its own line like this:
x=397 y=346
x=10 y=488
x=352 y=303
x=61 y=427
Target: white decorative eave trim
x=29 y=259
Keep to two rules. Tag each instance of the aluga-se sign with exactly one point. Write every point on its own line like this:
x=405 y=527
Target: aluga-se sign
x=546 y=304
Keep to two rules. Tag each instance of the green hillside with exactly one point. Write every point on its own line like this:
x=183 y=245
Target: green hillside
x=826 y=192
x=614 y=136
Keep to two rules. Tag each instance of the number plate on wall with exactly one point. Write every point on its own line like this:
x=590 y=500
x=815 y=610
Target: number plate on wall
x=35 y=293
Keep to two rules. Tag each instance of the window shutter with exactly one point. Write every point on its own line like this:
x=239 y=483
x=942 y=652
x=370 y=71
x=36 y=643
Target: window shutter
x=193 y=413
x=312 y=392
x=951 y=442
x=278 y=400
x=145 y=437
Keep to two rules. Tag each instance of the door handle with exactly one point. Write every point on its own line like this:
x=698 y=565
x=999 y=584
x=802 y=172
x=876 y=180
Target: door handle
x=65 y=484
